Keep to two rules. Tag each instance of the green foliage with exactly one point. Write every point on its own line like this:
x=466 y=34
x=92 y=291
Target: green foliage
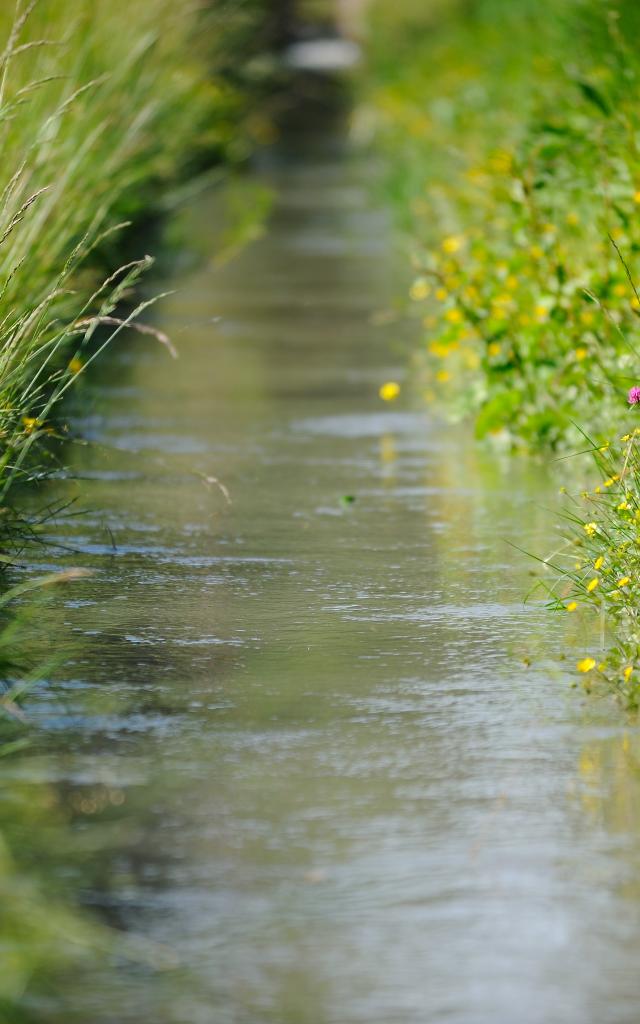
x=103 y=103
x=512 y=134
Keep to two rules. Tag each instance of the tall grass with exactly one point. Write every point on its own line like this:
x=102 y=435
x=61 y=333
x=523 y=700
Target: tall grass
x=102 y=104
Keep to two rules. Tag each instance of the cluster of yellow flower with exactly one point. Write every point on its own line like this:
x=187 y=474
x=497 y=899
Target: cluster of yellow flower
x=598 y=569
x=523 y=219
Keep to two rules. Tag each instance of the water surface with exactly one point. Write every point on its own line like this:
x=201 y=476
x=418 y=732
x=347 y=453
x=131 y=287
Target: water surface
x=305 y=752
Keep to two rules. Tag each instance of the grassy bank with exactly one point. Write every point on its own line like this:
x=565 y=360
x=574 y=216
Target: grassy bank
x=512 y=132
x=102 y=106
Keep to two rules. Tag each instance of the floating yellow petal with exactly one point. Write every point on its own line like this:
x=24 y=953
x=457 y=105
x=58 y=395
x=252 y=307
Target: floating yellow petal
x=586 y=664
x=452 y=244
x=389 y=391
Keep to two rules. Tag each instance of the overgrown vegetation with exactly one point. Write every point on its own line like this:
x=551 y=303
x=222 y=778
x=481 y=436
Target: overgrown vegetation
x=102 y=104
x=513 y=134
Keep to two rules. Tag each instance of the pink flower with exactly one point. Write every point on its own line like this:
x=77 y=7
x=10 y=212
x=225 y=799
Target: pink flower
x=633 y=397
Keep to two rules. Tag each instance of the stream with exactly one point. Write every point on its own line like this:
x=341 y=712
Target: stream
x=319 y=759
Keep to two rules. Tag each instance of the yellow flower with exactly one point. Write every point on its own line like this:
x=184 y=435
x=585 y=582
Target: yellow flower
x=30 y=423
x=636 y=196
x=627 y=673
x=443 y=376
x=620 y=290
x=452 y=244
x=626 y=437
x=586 y=664
x=592 y=584
x=454 y=316
x=441 y=294
x=623 y=581
x=599 y=562
x=536 y=252
x=541 y=312
x=494 y=349
x=75 y=365
x=389 y=391
x=511 y=283
x=590 y=528
x=572 y=218
x=581 y=353
x=571 y=607
x=439 y=349
x=623 y=506
x=420 y=289
x=635 y=302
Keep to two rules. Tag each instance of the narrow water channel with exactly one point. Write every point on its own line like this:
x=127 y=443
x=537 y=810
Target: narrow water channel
x=316 y=758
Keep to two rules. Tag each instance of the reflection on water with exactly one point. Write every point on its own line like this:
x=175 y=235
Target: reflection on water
x=303 y=753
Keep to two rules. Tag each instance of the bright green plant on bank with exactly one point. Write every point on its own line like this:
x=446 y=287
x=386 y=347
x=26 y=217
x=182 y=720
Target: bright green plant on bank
x=597 y=568
x=513 y=136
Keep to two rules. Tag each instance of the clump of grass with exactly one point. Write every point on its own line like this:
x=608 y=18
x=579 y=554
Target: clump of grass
x=92 y=132
x=597 y=568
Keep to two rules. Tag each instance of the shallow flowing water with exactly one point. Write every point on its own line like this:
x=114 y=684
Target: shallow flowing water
x=310 y=770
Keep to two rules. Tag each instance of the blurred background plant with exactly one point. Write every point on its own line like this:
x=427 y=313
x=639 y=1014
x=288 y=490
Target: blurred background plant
x=511 y=130
x=511 y=134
